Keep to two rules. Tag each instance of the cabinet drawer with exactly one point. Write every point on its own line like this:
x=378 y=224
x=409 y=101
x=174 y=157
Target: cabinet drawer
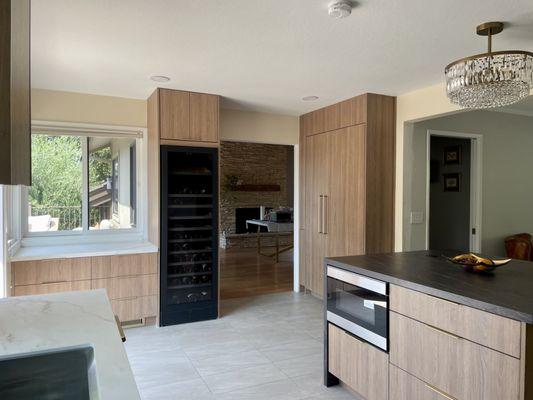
x=128 y=287
x=499 y=333
x=359 y=365
x=464 y=370
x=406 y=387
x=135 y=308
x=124 y=265
x=52 y=288
x=51 y=271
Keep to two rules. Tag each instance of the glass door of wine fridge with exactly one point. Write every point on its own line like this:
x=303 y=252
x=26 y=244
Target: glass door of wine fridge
x=189 y=234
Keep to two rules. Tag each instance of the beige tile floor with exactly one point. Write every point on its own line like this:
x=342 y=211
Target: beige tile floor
x=264 y=347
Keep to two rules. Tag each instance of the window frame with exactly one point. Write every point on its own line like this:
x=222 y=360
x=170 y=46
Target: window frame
x=85 y=131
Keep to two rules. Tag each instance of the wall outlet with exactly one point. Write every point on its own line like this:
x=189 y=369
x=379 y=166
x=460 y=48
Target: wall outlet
x=417 y=217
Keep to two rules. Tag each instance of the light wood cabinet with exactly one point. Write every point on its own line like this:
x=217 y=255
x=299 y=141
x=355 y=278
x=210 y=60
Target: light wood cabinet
x=62 y=270
x=123 y=265
x=183 y=118
x=15 y=115
x=47 y=288
x=203 y=117
x=348 y=173
x=174 y=107
x=135 y=308
x=131 y=280
x=317 y=159
x=359 y=365
x=493 y=331
x=406 y=387
x=458 y=367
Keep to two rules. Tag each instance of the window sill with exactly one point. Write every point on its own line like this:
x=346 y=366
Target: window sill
x=83 y=250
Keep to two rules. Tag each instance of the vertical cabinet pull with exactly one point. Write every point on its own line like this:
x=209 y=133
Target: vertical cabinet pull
x=320 y=203
x=325 y=215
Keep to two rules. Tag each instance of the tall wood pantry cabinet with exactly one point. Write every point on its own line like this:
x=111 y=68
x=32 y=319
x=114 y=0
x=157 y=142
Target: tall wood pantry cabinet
x=347 y=183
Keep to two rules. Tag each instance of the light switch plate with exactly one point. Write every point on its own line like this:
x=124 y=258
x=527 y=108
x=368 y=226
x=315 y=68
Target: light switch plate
x=417 y=217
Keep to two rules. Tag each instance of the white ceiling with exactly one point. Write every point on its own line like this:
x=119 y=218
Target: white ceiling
x=262 y=55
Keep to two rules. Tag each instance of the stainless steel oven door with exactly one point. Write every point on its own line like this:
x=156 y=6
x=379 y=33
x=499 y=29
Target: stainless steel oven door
x=359 y=305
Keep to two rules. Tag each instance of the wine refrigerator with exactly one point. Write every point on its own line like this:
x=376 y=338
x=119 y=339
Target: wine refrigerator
x=189 y=234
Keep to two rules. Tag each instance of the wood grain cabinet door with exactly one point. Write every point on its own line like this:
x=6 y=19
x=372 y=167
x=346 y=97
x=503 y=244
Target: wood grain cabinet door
x=174 y=114
x=345 y=198
x=317 y=184
x=406 y=387
x=204 y=109
x=462 y=369
x=359 y=365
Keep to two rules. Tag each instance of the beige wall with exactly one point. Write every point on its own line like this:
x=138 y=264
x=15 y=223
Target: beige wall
x=246 y=126
x=507 y=168
x=51 y=105
x=410 y=107
x=235 y=125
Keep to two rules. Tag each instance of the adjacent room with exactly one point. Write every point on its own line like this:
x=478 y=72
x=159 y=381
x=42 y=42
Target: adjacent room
x=266 y=200
x=256 y=219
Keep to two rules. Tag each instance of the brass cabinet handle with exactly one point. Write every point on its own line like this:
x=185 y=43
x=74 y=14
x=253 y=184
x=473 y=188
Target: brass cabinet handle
x=325 y=215
x=440 y=392
x=320 y=202
x=444 y=332
x=50 y=282
x=120 y=330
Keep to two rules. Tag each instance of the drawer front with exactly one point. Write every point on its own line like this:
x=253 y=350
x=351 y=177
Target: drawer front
x=498 y=333
x=128 y=287
x=406 y=387
x=51 y=271
x=458 y=367
x=135 y=308
x=52 y=288
x=359 y=365
x=124 y=265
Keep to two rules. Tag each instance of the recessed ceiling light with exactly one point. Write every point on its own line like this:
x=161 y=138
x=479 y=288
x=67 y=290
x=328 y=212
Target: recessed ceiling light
x=340 y=9
x=310 y=98
x=160 y=78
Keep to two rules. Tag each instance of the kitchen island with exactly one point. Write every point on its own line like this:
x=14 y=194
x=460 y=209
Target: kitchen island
x=449 y=334
x=37 y=323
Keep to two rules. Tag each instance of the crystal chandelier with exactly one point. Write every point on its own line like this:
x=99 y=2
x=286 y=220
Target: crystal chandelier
x=492 y=79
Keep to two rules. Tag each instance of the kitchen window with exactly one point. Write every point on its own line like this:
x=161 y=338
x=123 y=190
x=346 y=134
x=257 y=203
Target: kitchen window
x=81 y=182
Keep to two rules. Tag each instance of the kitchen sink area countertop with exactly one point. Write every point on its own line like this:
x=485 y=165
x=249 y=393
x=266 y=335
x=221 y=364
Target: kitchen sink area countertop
x=505 y=292
x=55 y=321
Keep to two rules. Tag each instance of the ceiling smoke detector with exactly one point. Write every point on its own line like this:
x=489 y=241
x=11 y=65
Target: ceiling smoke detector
x=310 y=98
x=340 y=9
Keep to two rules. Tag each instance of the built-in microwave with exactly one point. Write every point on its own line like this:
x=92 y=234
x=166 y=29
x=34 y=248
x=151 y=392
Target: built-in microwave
x=359 y=305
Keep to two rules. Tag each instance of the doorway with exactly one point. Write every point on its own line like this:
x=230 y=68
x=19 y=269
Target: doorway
x=453 y=205
x=257 y=197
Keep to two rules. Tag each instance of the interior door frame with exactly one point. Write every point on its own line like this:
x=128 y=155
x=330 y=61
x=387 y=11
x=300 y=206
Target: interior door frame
x=476 y=183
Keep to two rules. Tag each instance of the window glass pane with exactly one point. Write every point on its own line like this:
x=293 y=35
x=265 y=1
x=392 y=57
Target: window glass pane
x=55 y=195
x=111 y=203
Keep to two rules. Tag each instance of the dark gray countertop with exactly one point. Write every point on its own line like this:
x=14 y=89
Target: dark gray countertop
x=507 y=292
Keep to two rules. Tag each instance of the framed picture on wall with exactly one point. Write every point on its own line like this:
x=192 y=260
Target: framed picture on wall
x=452 y=155
x=452 y=182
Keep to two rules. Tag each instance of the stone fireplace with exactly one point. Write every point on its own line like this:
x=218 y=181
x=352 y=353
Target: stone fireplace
x=266 y=172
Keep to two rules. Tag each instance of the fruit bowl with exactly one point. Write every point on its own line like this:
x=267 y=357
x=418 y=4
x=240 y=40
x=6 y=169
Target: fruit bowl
x=473 y=263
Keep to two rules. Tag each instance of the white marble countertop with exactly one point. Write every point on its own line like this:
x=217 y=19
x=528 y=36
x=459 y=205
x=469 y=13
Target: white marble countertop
x=82 y=250
x=30 y=323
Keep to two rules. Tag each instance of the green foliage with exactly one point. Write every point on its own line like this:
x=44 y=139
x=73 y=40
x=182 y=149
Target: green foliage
x=99 y=166
x=56 y=171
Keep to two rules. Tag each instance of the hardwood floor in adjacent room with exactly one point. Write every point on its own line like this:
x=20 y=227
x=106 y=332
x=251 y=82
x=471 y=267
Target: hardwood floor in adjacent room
x=245 y=273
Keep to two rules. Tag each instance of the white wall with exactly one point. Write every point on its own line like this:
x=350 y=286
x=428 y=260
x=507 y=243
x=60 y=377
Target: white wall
x=507 y=174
